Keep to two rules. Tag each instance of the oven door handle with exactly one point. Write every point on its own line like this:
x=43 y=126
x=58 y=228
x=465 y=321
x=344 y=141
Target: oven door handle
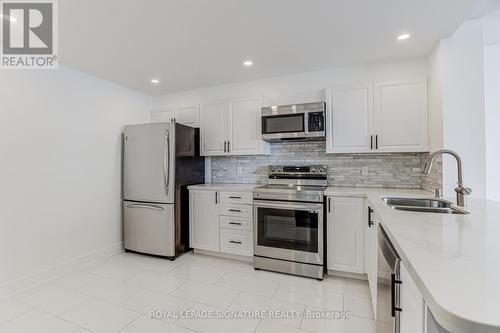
x=288 y=205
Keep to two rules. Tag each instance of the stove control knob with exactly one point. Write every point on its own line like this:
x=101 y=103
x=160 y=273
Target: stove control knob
x=313 y=170
x=280 y=169
x=273 y=169
x=321 y=170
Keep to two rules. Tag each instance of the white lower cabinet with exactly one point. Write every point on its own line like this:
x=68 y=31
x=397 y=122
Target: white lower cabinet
x=344 y=227
x=371 y=252
x=204 y=220
x=352 y=247
x=218 y=224
x=236 y=242
x=412 y=303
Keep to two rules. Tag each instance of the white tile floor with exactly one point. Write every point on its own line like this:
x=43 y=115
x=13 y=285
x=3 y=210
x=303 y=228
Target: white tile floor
x=117 y=295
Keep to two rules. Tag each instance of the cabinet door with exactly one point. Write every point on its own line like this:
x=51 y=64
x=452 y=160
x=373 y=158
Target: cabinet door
x=188 y=115
x=400 y=116
x=412 y=303
x=371 y=252
x=204 y=220
x=244 y=127
x=349 y=119
x=345 y=248
x=213 y=128
x=161 y=116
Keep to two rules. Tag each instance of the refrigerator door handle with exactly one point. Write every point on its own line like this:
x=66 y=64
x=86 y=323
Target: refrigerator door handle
x=145 y=206
x=166 y=162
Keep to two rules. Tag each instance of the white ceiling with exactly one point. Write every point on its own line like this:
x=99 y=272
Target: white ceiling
x=197 y=43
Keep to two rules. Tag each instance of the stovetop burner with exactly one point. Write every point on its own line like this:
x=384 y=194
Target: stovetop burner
x=294 y=183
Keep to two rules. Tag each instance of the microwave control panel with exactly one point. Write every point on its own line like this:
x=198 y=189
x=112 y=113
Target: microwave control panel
x=316 y=121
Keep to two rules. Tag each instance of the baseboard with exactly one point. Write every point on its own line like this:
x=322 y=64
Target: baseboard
x=223 y=255
x=347 y=275
x=33 y=280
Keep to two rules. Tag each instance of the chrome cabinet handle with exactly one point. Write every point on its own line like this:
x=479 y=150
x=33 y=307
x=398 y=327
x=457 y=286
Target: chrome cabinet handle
x=234 y=197
x=376 y=141
x=228 y=145
x=235 y=210
x=235 y=223
x=234 y=242
x=329 y=205
x=371 y=142
x=216 y=200
x=225 y=145
x=166 y=163
x=145 y=206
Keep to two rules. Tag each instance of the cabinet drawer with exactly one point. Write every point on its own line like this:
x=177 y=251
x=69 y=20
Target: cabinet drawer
x=237 y=223
x=236 y=242
x=236 y=210
x=237 y=197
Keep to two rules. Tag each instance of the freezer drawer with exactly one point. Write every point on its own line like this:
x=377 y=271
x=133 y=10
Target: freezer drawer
x=149 y=228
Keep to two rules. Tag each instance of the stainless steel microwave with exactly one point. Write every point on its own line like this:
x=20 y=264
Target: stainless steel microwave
x=298 y=122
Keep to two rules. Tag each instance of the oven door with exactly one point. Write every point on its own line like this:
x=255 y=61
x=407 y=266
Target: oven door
x=289 y=231
x=291 y=125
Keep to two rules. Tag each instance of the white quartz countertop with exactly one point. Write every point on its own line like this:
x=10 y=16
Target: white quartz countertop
x=454 y=259
x=224 y=187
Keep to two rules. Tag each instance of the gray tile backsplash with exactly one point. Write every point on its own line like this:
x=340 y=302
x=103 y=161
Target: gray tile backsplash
x=389 y=170
x=435 y=179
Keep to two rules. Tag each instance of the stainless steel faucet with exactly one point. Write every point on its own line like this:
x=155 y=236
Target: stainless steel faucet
x=460 y=190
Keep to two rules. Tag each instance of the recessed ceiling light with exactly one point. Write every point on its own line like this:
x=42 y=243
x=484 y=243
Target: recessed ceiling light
x=404 y=36
x=155 y=81
x=248 y=63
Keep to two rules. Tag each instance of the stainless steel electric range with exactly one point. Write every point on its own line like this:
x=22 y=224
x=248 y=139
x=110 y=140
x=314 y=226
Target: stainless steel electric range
x=288 y=220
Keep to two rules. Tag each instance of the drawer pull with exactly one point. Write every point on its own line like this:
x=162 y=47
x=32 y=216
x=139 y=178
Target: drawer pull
x=235 y=210
x=235 y=223
x=235 y=242
x=234 y=197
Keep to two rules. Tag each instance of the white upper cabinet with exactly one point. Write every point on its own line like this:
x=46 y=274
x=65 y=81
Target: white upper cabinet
x=349 y=121
x=232 y=128
x=213 y=129
x=161 y=116
x=188 y=115
x=401 y=116
x=379 y=117
x=244 y=127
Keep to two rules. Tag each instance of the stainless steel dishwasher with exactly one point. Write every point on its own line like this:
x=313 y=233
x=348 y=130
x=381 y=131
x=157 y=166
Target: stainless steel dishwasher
x=388 y=285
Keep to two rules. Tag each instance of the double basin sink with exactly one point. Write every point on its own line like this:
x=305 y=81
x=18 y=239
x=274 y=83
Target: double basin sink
x=425 y=205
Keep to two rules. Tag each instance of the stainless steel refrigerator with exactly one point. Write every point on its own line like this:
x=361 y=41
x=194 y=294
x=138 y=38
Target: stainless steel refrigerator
x=160 y=160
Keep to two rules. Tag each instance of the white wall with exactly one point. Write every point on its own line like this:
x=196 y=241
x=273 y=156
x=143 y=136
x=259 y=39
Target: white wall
x=492 y=105
x=491 y=60
x=60 y=165
x=435 y=100
x=462 y=88
x=293 y=88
